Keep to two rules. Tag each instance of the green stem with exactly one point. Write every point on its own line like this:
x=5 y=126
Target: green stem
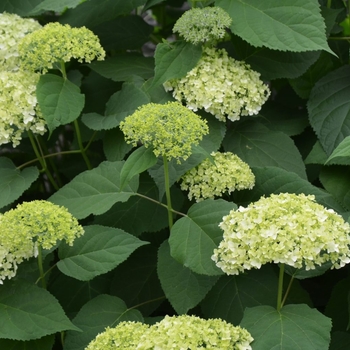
x=287 y=291
x=80 y=143
x=41 y=159
x=63 y=70
x=280 y=288
x=41 y=269
x=329 y=3
x=167 y=192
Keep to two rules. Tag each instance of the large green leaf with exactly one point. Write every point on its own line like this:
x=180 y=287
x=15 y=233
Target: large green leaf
x=99 y=313
x=54 y=5
x=174 y=60
x=232 y=294
x=258 y=146
x=340 y=341
x=45 y=343
x=98 y=251
x=60 y=100
x=94 y=12
x=29 y=312
x=122 y=67
x=114 y=146
x=95 y=191
x=194 y=237
x=138 y=214
x=14 y=182
x=329 y=108
x=183 y=288
x=286 y=25
x=270 y=180
x=341 y=155
x=136 y=281
x=293 y=327
x=335 y=180
x=119 y=106
x=20 y=7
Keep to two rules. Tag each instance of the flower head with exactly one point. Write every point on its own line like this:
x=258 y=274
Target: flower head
x=226 y=172
x=171 y=129
x=29 y=225
x=12 y=29
x=192 y=333
x=19 y=110
x=222 y=86
x=203 y=25
x=125 y=336
x=56 y=43
x=285 y=228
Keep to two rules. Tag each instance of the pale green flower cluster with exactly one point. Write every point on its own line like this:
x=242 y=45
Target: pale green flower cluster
x=19 y=109
x=13 y=29
x=125 y=336
x=171 y=129
x=203 y=25
x=222 y=86
x=225 y=172
x=285 y=228
x=30 y=225
x=55 y=43
x=176 y=332
x=191 y=333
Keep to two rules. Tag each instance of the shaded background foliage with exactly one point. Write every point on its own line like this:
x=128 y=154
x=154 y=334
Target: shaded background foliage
x=126 y=267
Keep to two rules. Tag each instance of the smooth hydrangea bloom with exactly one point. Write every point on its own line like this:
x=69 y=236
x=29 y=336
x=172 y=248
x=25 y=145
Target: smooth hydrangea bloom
x=125 y=336
x=222 y=86
x=13 y=29
x=19 y=109
x=203 y=25
x=226 y=172
x=285 y=228
x=56 y=43
x=29 y=225
x=171 y=129
x=192 y=333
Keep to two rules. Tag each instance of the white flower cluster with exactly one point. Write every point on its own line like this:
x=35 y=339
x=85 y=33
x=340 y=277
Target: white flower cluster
x=226 y=172
x=176 y=332
x=222 y=86
x=12 y=29
x=19 y=109
x=286 y=228
x=203 y=25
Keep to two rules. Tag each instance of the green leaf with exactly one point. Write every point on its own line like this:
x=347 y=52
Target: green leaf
x=270 y=180
x=94 y=12
x=122 y=67
x=288 y=25
x=14 y=182
x=293 y=327
x=119 y=106
x=138 y=214
x=20 y=7
x=29 y=312
x=255 y=144
x=124 y=33
x=140 y=160
x=150 y=3
x=335 y=179
x=193 y=238
x=340 y=341
x=183 y=288
x=94 y=191
x=45 y=343
x=136 y=281
x=174 y=60
x=99 y=313
x=302 y=274
x=274 y=64
x=54 y=5
x=232 y=294
x=341 y=155
x=98 y=251
x=60 y=100
x=114 y=146
x=317 y=155
x=329 y=108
